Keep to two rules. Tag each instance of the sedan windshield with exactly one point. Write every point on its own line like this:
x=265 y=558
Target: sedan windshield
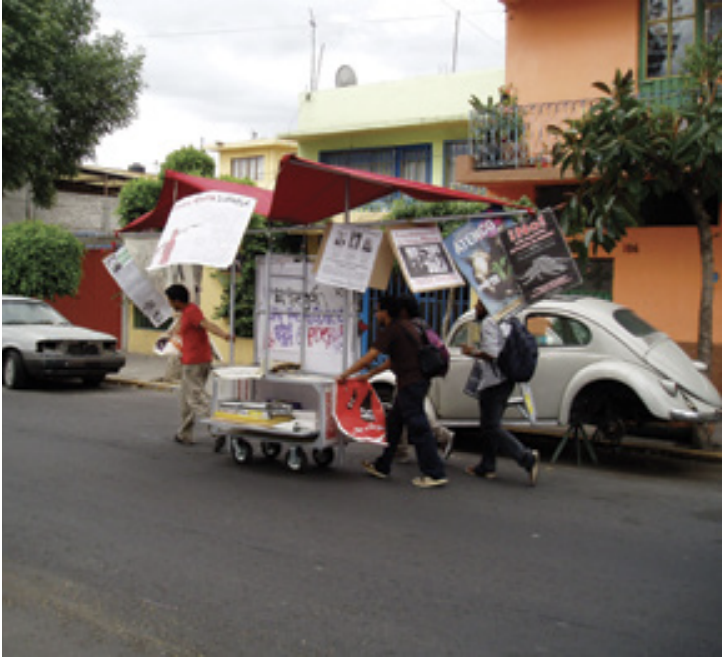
x=20 y=312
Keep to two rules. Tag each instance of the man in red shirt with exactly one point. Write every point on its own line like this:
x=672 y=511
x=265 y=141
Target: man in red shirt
x=196 y=358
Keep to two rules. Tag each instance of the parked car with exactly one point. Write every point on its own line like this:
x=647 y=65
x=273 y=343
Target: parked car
x=38 y=342
x=599 y=364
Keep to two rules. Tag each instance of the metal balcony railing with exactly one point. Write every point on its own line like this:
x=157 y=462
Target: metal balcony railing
x=517 y=136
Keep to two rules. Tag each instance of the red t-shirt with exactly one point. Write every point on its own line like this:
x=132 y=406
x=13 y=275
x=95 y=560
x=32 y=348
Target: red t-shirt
x=196 y=347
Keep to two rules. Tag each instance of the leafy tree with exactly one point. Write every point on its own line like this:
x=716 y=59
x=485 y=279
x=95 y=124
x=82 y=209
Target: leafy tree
x=137 y=197
x=62 y=90
x=41 y=260
x=624 y=150
x=189 y=160
x=141 y=195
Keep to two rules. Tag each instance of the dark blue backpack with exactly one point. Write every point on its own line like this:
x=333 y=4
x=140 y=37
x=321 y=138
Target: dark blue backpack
x=518 y=358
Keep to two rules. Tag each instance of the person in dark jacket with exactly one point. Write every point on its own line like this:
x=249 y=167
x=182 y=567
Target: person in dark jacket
x=401 y=342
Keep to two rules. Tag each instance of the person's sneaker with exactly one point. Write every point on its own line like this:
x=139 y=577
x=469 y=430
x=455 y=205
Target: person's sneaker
x=533 y=469
x=481 y=473
x=426 y=481
x=372 y=470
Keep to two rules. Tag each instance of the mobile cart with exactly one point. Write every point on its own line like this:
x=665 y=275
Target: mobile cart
x=274 y=410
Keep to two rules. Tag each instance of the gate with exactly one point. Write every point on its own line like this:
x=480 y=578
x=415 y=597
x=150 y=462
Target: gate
x=432 y=304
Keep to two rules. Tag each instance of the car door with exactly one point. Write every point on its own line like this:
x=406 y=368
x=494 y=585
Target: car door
x=447 y=393
x=566 y=345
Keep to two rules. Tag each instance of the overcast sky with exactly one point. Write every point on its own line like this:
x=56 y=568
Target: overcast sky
x=226 y=69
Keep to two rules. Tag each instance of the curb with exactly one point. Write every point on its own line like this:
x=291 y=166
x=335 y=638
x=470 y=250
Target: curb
x=143 y=384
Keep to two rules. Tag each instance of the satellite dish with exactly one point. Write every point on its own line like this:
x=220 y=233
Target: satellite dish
x=345 y=76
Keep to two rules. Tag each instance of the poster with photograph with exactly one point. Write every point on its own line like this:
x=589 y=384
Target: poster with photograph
x=424 y=261
x=349 y=257
x=512 y=263
x=480 y=256
x=139 y=288
x=540 y=256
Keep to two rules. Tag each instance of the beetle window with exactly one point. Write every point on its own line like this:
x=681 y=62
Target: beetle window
x=469 y=333
x=632 y=323
x=552 y=330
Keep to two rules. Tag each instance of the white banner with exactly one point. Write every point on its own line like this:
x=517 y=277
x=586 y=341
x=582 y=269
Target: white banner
x=204 y=229
x=134 y=283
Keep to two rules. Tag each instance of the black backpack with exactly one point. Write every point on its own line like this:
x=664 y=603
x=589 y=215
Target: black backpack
x=518 y=358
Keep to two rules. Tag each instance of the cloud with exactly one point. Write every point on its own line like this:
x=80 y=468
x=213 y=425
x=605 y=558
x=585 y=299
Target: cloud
x=226 y=68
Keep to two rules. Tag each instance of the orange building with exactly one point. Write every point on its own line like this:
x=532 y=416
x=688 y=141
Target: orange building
x=556 y=49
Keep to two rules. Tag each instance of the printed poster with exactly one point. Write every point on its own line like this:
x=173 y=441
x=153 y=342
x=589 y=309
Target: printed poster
x=482 y=259
x=349 y=257
x=138 y=287
x=540 y=257
x=512 y=263
x=299 y=320
x=424 y=261
x=359 y=413
x=204 y=229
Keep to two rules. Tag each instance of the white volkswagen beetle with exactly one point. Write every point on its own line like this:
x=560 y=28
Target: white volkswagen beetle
x=599 y=364
x=38 y=342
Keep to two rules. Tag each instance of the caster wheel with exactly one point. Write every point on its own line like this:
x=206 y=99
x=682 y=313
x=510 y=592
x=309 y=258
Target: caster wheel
x=323 y=457
x=271 y=449
x=241 y=451
x=296 y=459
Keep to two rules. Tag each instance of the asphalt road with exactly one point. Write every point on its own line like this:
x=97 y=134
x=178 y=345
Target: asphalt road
x=117 y=541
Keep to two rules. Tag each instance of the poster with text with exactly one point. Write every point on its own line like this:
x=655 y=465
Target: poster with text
x=424 y=261
x=204 y=229
x=299 y=320
x=139 y=288
x=480 y=256
x=540 y=257
x=349 y=258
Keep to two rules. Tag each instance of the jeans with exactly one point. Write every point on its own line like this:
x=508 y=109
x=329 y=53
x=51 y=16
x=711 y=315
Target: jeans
x=495 y=439
x=408 y=410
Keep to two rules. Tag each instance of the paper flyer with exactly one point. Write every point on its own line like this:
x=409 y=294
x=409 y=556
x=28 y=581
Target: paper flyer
x=424 y=261
x=349 y=257
x=204 y=229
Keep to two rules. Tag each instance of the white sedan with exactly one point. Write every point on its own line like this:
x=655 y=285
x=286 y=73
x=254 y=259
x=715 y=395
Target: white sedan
x=599 y=364
x=38 y=342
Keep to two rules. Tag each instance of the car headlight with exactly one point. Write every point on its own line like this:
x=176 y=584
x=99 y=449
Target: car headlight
x=48 y=346
x=669 y=386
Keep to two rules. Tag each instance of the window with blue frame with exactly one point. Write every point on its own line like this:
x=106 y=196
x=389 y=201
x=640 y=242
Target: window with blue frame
x=412 y=162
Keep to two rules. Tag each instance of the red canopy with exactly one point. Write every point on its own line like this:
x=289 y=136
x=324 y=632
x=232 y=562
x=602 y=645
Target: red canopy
x=178 y=185
x=305 y=192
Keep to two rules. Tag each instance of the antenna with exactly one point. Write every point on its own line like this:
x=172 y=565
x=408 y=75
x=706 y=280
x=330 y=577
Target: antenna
x=346 y=76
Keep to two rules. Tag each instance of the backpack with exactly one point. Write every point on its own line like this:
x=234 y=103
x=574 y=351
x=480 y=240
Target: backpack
x=433 y=354
x=518 y=358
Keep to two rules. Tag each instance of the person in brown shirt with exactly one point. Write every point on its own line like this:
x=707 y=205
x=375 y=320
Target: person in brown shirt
x=400 y=341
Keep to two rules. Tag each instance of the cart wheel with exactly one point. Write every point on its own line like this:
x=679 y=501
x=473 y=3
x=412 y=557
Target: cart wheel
x=241 y=451
x=271 y=449
x=296 y=459
x=323 y=457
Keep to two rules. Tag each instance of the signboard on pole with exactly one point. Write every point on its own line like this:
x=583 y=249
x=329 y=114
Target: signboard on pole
x=204 y=229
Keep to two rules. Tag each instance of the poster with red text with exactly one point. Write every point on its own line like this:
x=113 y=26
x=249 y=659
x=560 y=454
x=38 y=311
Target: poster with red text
x=359 y=413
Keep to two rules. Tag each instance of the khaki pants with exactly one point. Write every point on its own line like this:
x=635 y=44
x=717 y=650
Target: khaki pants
x=194 y=399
